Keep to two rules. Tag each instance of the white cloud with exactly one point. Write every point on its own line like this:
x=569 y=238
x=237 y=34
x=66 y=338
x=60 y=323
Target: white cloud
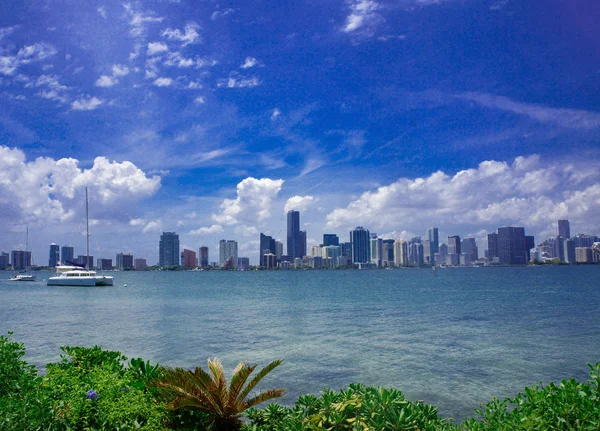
x=138 y=19
x=153 y=226
x=187 y=36
x=238 y=82
x=219 y=13
x=363 y=15
x=6 y=31
x=156 y=48
x=28 y=54
x=137 y=222
x=298 y=203
x=215 y=228
x=276 y=113
x=249 y=62
x=529 y=192
x=253 y=202
x=163 y=82
x=86 y=104
x=194 y=85
x=312 y=164
x=102 y=11
x=120 y=70
x=200 y=100
x=105 y=81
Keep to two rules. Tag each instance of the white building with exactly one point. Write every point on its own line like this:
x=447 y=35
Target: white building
x=228 y=253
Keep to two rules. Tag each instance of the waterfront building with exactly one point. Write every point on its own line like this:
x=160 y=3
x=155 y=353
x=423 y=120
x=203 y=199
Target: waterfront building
x=189 y=259
x=454 y=244
x=465 y=259
x=585 y=240
x=331 y=252
x=564 y=230
x=168 y=249
x=228 y=253
x=427 y=252
x=294 y=237
x=4 y=260
x=400 y=253
x=243 y=263
x=415 y=252
x=376 y=245
x=434 y=241
x=359 y=244
x=330 y=239
x=105 y=264
x=388 y=253
x=583 y=255
x=20 y=259
x=285 y=264
x=139 y=264
x=316 y=250
x=529 y=245
x=203 y=260
x=124 y=261
x=266 y=245
x=452 y=259
x=54 y=257
x=303 y=242
x=278 y=249
x=346 y=248
x=67 y=254
x=443 y=254
x=316 y=262
x=511 y=245
x=559 y=248
x=83 y=260
x=298 y=262
x=469 y=246
x=569 y=250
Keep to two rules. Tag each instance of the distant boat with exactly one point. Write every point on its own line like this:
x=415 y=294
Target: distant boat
x=70 y=275
x=23 y=276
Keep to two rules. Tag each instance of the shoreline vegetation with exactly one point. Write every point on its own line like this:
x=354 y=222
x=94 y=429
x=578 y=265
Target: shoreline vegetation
x=94 y=389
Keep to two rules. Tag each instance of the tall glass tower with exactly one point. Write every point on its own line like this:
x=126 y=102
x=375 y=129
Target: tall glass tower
x=294 y=236
x=359 y=243
x=168 y=249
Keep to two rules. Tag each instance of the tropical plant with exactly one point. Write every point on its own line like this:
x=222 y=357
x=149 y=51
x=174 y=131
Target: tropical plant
x=201 y=391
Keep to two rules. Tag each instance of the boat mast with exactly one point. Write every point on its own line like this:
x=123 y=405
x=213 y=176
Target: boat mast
x=26 y=247
x=87 y=228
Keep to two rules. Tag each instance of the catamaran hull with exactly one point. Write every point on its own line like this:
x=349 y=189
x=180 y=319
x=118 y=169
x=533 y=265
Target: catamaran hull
x=80 y=281
x=23 y=279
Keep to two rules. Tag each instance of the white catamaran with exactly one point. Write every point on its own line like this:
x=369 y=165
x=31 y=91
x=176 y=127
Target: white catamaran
x=23 y=276
x=75 y=276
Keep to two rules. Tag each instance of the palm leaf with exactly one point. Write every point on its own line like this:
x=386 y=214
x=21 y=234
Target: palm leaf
x=220 y=383
x=187 y=390
x=263 y=396
x=238 y=379
x=262 y=373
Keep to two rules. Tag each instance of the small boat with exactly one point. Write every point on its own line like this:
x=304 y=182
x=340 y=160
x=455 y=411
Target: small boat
x=77 y=276
x=23 y=276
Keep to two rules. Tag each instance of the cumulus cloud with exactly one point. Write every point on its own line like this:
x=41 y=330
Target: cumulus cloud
x=363 y=16
x=53 y=190
x=188 y=36
x=249 y=62
x=9 y=63
x=236 y=81
x=86 y=104
x=120 y=70
x=527 y=192
x=105 y=81
x=200 y=100
x=298 y=203
x=153 y=226
x=138 y=19
x=220 y=13
x=253 y=202
x=276 y=113
x=156 y=48
x=163 y=82
x=215 y=228
x=102 y=11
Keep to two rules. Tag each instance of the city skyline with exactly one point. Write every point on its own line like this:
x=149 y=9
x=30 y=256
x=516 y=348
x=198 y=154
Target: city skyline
x=214 y=120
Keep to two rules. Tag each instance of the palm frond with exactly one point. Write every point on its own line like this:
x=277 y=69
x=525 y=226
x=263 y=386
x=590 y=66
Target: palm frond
x=220 y=383
x=186 y=390
x=261 y=374
x=238 y=379
x=263 y=396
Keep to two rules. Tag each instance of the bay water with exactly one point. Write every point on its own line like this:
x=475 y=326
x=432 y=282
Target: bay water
x=453 y=339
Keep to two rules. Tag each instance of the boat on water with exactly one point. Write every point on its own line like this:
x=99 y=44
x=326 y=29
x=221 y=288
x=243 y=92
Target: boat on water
x=67 y=275
x=23 y=276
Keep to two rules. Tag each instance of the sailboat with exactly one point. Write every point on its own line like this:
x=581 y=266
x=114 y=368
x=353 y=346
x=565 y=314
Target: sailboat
x=23 y=276
x=67 y=275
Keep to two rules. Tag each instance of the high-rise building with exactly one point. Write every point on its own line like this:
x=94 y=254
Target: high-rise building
x=270 y=260
x=469 y=246
x=511 y=245
x=346 y=249
x=454 y=245
x=359 y=244
x=529 y=244
x=278 y=249
x=388 y=253
x=67 y=254
x=427 y=255
x=104 y=264
x=331 y=252
x=442 y=255
x=376 y=245
x=266 y=245
x=54 y=257
x=84 y=260
x=583 y=255
x=243 y=263
x=140 y=264
x=168 y=249
x=564 y=230
x=20 y=259
x=303 y=244
x=400 y=253
x=203 y=263
x=492 y=246
x=559 y=248
x=294 y=240
x=124 y=261
x=189 y=259
x=569 y=249
x=330 y=239
x=4 y=261
x=228 y=253
x=415 y=251
x=433 y=237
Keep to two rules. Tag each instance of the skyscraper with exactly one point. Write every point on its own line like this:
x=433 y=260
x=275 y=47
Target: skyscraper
x=359 y=243
x=140 y=264
x=189 y=259
x=20 y=259
x=400 y=253
x=388 y=253
x=54 y=255
x=279 y=249
x=303 y=243
x=266 y=245
x=330 y=239
x=492 y=246
x=124 y=261
x=4 y=260
x=67 y=254
x=228 y=253
x=294 y=246
x=511 y=245
x=433 y=237
x=469 y=246
x=168 y=249
x=376 y=246
x=454 y=245
x=564 y=230
x=203 y=257
x=529 y=244
x=415 y=251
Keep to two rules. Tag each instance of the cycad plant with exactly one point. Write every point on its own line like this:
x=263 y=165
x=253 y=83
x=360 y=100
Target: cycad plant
x=198 y=390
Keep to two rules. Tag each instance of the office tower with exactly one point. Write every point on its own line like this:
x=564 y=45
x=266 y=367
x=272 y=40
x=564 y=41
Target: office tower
x=415 y=251
x=67 y=254
x=346 y=249
x=140 y=264
x=4 y=260
x=330 y=239
x=331 y=252
x=278 y=249
x=20 y=259
x=203 y=263
x=243 y=263
x=388 y=253
x=511 y=245
x=558 y=248
x=564 y=230
x=189 y=259
x=529 y=244
x=583 y=255
x=400 y=253
x=442 y=255
x=294 y=240
x=168 y=249
x=124 y=261
x=303 y=244
x=228 y=253
x=454 y=245
x=465 y=259
x=492 y=246
x=569 y=250
x=83 y=261
x=54 y=257
x=469 y=246
x=104 y=264
x=376 y=245
x=433 y=237
x=359 y=244
x=270 y=260
x=266 y=245
x=316 y=250
x=427 y=256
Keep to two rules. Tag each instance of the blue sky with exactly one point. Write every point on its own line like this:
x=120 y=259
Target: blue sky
x=212 y=118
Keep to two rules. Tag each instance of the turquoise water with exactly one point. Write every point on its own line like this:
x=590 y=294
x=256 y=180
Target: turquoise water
x=454 y=340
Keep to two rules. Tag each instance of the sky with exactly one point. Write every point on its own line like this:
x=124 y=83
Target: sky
x=213 y=118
